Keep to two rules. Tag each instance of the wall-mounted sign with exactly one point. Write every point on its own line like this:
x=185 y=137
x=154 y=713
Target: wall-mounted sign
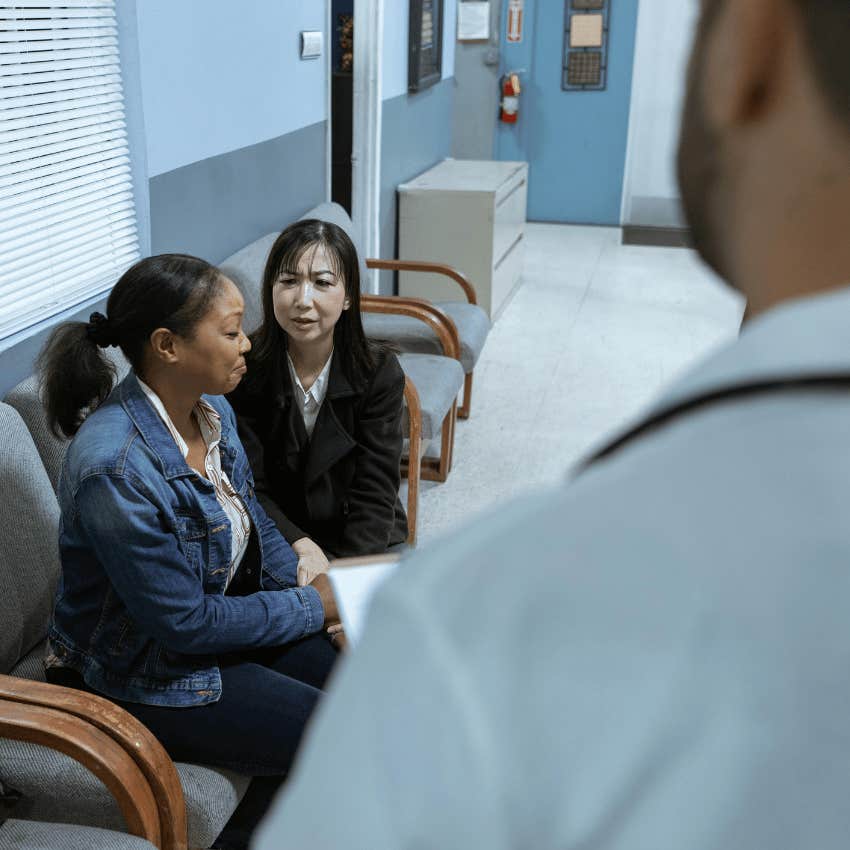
x=513 y=33
x=586 y=29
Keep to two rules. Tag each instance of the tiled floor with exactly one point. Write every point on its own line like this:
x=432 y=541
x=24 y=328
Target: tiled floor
x=592 y=334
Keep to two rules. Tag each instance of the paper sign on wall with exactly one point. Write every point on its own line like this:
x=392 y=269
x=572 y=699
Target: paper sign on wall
x=514 y=22
x=473 y=20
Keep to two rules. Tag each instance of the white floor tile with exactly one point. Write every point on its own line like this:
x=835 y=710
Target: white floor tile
x=595 y=331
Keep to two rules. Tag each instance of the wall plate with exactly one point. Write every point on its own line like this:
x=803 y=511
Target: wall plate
x=311 y=44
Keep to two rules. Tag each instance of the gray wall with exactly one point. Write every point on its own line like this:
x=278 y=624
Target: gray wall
x=214 y=207
x=416 y=134
x=476 y=103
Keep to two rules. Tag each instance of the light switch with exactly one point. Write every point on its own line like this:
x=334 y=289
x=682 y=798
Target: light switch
x=311 y=44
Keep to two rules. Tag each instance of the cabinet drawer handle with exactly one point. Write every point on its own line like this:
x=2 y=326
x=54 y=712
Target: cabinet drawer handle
x=515 y=189
x=513 y=245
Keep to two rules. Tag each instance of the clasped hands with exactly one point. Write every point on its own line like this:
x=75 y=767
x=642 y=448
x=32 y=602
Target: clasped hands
x=313 y=570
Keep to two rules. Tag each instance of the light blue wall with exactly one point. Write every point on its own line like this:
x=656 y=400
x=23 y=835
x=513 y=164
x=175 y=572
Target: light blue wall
x=396 y=21
x=218 y=76
x=574 y=141
x=416 y=129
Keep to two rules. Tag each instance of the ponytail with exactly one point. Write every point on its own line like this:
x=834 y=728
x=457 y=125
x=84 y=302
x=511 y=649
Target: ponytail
x=75 y=375
x=171 y=291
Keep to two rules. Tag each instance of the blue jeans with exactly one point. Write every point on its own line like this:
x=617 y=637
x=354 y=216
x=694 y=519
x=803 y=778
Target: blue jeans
x=267 y=696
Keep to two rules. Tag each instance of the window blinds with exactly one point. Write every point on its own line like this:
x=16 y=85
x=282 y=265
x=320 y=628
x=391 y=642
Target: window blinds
x=67 y=216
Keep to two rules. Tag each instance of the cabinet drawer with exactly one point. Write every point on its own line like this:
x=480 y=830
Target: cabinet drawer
x=506 y=275
x=509 y=217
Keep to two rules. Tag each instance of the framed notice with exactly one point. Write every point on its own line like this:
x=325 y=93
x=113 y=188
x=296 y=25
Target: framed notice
x=425 y=52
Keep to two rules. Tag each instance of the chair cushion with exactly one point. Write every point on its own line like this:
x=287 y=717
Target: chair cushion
x=415 y=336
x=57 y=788
x=438 y=380
x=29 y=542
x=37 y=835
x=245 y=268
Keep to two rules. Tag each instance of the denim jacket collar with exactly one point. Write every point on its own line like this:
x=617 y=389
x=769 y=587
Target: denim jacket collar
x=154 y=431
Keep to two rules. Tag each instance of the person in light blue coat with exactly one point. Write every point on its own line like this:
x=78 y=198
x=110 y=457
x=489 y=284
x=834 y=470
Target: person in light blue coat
x=655 y=654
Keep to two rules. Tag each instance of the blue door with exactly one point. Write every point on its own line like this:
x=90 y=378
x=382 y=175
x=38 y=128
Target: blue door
x=574 y=141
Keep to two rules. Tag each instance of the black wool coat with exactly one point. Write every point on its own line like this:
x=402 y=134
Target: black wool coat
x=340 y=486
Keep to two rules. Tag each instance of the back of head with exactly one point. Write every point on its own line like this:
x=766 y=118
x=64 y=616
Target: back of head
x=764 y=149
x=827 y=26
x=166 y=291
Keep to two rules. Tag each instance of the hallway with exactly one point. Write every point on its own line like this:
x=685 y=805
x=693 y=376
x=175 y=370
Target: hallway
x=593 y=333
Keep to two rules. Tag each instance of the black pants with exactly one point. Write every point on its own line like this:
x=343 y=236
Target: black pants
x=267 y=697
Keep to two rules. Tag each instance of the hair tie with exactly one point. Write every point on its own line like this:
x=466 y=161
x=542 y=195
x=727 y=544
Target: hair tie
x=99 y=330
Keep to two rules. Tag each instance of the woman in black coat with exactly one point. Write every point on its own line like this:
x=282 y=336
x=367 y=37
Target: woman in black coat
x=321 y=406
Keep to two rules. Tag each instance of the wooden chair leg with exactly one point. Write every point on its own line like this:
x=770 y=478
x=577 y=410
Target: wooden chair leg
x=414 y=415
x=463 y=410
x=437 y=469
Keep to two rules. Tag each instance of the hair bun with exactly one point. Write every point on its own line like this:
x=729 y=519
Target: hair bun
x=100 y=331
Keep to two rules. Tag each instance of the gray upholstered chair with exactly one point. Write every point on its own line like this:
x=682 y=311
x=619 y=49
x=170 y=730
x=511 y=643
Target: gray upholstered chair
x=34 y=835
x=76 y=758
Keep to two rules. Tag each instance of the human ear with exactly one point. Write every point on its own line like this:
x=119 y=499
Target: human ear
x=347 y=303
x=744 y=60
x=164 y=345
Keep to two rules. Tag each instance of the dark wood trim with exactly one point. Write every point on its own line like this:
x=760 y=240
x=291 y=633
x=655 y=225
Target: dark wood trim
x=128 y=733
x=433 y=268
x=93 y=749
x=658 y=237
x=417 y=308
x=414 y=416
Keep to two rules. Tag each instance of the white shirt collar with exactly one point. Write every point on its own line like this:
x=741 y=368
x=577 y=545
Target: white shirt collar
x=319 y=388
x=208 y=420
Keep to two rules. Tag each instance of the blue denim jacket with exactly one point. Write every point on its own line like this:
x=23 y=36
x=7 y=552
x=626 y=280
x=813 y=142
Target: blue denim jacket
x=141 y=610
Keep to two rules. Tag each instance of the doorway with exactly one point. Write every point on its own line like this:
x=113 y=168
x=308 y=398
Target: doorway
x=354 y=118
x=574 y=141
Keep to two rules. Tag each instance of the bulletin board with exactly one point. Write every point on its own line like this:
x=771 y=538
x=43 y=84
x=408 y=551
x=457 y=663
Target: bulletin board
x=585 y=59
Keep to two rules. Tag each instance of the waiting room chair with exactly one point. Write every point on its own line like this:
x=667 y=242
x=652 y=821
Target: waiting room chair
x=108 y=771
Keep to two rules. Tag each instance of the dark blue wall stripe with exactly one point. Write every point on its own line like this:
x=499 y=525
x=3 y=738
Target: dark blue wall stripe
x=416 y=133
x=214 y=207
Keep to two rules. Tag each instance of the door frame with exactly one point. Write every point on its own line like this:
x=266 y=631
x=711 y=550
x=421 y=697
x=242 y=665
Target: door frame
x=366 y=127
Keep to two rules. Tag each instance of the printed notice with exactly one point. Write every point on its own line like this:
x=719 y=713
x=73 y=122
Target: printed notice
x=473 y=21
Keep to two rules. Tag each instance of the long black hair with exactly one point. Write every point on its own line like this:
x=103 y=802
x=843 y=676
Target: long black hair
x=171 y=291
x=269 y=342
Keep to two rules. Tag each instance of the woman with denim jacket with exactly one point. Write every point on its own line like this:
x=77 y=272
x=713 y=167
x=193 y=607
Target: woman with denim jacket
x=178 y=597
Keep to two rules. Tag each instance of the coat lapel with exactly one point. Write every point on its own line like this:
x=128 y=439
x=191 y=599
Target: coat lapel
x=331 y=440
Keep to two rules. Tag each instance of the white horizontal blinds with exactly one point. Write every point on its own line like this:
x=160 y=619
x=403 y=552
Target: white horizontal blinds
x=67 y=216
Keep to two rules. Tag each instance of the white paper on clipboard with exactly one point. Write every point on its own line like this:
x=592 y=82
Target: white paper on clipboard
x=473 y=20
x=354 y=588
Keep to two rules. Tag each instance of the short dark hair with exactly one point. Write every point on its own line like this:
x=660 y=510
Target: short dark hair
x=827 y=24
x=270 y=341
x=171 y=291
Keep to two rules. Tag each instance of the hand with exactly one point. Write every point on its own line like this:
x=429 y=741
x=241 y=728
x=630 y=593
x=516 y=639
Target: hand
x=322 y=584
x=311 y=560
x=337 y=637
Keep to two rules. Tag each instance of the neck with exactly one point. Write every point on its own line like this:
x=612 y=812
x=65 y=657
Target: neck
x=310 y=359
x=798 y=248
x=178 y=402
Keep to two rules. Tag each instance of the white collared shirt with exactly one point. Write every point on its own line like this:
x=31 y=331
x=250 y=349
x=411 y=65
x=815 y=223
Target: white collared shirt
x=309 y=401
x=210 y=424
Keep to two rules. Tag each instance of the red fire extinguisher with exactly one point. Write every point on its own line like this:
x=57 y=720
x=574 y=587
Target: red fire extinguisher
x=509 y=106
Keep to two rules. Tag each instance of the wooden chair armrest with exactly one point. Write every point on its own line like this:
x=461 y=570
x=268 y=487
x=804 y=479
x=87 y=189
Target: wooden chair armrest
x=434 y=268
x=93 y=749
x=132 y=736
x=416 y=308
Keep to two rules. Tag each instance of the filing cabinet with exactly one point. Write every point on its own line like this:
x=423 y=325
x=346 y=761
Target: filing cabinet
x=469 y=214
